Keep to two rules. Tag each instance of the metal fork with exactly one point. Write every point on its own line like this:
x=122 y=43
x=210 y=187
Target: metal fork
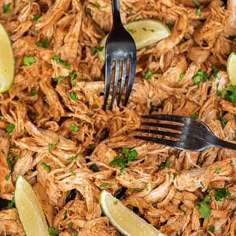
x=120 y=48
x=181 y=132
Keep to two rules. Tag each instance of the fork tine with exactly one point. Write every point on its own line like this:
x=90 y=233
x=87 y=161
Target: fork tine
x=131 y=77
x=167 y=126
x=164 y=133
x=122 y=85
x=158 y=140
x=175 y=118
x=117 y=72
x=108 y=72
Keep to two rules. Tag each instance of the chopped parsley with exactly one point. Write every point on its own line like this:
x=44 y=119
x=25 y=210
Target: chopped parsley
x=58 y=79
x=196 y=3
x=7 y=177
x=73 y=76
x=70 y=224
x=6 y=7
x=36 y=17
x=198 y=11
x=229 y=93
x=75 y=233
x=52 y=231
x=9 y=128
x=217 y=170
x=104 y=185
x=203 y=207
x=94 y=167
x=34 y=92
x=223 y=122
x=214 y=71
x=11 y=204
x=195 y=115
x=88 y=11
x=42 y=44
x=148 y=75
x=29 y=60
x=74 y=128
x=73 y=96
x=73 y=158
x=96 y=4
x=181 y=76
x=164 y=164
x=46 y=166
x=200 y=76
x=221 y=193
x=97 y=49
x=123 y=158
x=61 y=61
x=9 y=163
x=211 y=228
x=51 y=146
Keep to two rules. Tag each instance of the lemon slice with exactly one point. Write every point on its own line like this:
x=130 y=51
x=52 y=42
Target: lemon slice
x=144 y=33
x=29 y=209
x=7 y=62
x=231 y=68
x=125 y=220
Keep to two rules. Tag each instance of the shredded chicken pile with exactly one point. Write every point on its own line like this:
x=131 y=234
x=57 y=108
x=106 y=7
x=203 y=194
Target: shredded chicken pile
x=56 y=135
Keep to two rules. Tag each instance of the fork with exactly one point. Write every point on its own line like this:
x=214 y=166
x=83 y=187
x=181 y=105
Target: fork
x=181 y=132
x=120 y=48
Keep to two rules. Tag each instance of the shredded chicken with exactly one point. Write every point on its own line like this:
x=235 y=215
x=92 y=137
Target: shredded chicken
x=54 y=132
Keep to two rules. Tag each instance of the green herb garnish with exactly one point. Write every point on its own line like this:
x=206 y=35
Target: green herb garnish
x=61 y=61
x=96 y=4
x=148 y=75
x=211 y=228
x=203 y=207
x=73 y=96
x=36 y=17
x=200 y=76
x=34 y=92
x=104 y=185
x=214 y=71
x=28 y=60
x=221 y=193
x=11 y=204
x=9 y=128
x=9 y=163
x=198 y=12
x=6 y=7
x=223 y=122
x=164 y=164
x=73 y=76
x=181 y=76
x=97 y=49
x=94 y=167
x=52 y=231
x=70 y=224
x=46 y=166
x=75 y=233
x=195 y=115
x=88 y=11
x=43 y=44
x=217 y=170
x=74 y=128
x=58 y=79
x=196 y=3
x=229 y=93
x=51 y=146
x=123 y=158
x=7 y=177
x=73 y=158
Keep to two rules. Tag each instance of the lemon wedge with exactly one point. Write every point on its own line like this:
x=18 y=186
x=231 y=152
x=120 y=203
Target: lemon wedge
x=29 y=209
x=231 y=68
x=7 y=62
x=125 y=220
x=144 y=33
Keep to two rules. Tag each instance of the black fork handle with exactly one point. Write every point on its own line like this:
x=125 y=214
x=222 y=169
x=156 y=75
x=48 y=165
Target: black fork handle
x=116 y=12
x=220 y=143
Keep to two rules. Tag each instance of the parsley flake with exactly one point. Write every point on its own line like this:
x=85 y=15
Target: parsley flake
x=229 y=93
x=9 y=128
x=223 y=122
x=203 y=207
x=217 y=170
x=96 y=4
x=181 y=76
x=73 y=96
x=74 y=128
x=46 y=166
x=214 y=71
x=42 y=44
x=58 y=79
x=221 y=193
x=104 y=185
x=7 y=177
x=36 y=17
x=61 y=61
x=73 y=76
x=97 y=49
x=200 y=76
x=6 y=7
x=94 y=167
x=148 y=75
x=164 y=164
x=52 y=231
x=195 y=115
x=11 y=203
x=29 y=60
x=211 y=228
